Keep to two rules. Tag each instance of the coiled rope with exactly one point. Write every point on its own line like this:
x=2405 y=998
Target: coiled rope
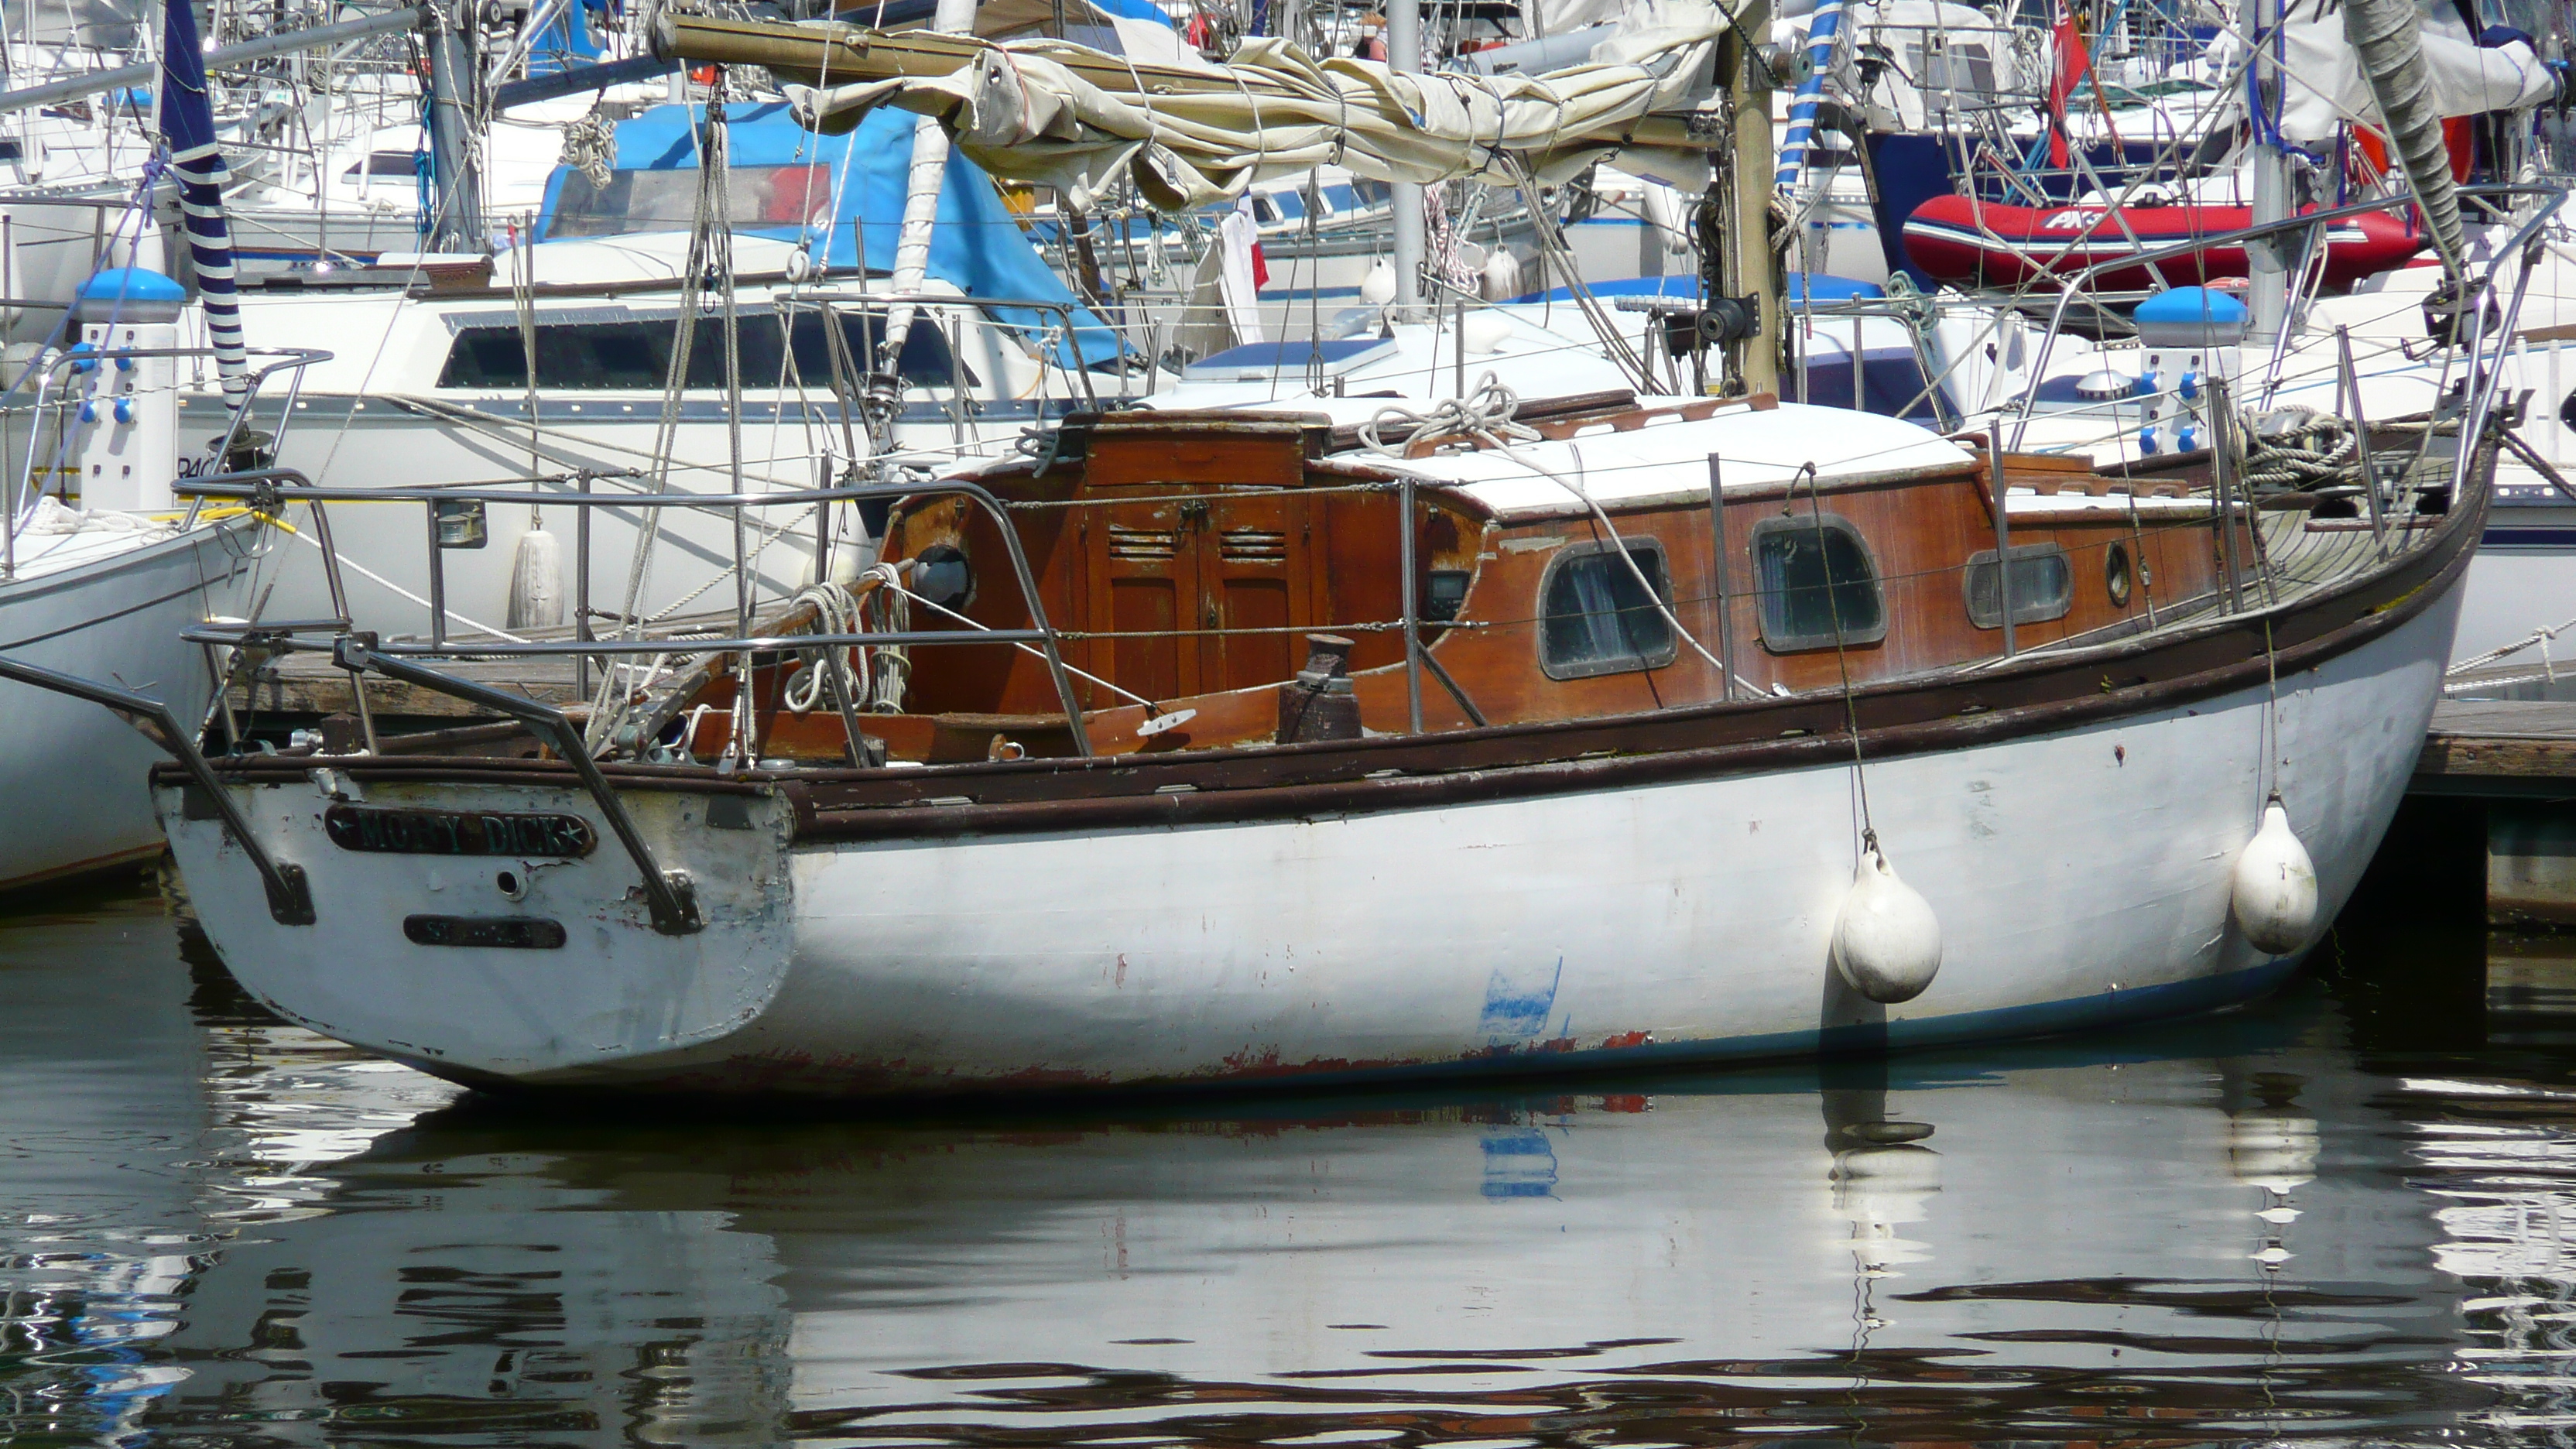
x=2298 y=449
x=1485 y=415
x=836 y=611
x=872 y=678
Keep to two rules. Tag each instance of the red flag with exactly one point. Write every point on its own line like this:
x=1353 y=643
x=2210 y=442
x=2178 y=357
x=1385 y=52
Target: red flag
x=1260 y=268
x=2072 y=63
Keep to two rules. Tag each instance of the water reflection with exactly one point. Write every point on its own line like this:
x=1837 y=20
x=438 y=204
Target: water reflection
x=2283 y=1224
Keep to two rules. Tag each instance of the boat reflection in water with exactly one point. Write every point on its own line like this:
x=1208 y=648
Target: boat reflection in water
x=220 y=1226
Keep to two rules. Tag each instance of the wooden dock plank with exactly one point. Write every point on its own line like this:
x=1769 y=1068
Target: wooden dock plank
x=2498 y=741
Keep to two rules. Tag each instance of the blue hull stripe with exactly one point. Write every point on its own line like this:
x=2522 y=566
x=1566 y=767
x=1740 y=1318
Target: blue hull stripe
x=2082 y=1013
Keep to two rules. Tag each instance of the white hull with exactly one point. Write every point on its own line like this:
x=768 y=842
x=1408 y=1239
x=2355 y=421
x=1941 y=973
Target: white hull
x=2080 y=877
x=71 y=775
x=2523 y=580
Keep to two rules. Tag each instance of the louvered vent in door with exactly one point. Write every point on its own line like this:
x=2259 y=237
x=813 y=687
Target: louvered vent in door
x=1143 y=543
x=1254 y=545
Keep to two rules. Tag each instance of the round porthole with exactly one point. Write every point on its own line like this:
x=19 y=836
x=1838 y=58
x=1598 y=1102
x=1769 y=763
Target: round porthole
x=2116 y=574
x=942 y=575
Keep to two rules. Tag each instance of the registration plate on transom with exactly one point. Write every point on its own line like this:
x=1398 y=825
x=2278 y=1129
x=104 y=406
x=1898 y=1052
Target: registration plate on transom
x=457 y=832
x=508 y=933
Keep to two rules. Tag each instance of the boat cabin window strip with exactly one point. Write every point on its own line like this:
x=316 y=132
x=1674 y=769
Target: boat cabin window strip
x=796 y=195
x=1593 y=617
x=634 y=354
x=1815 y=583
x=2043 y=585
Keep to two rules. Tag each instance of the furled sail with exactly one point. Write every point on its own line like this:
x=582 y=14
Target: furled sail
x=2388 y=41
x=188 y=125
x=1060 y=114
x=2321 y=63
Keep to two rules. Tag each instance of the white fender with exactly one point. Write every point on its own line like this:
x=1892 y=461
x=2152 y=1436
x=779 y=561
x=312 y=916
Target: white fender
x=536 y=581
x=2275 y=897
x=1378 y=287
x=1887 y=942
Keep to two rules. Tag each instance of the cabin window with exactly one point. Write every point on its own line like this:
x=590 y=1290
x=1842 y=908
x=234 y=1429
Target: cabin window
x=1448 y=591
x=1816 y=584
x=2117 y=575
x=1263 y=212
x=2043 y=585
x=757 y=198
x=1339 y=199
x=1595 y=619
x=385 y=163
x=634 y=355
x=1291 y=205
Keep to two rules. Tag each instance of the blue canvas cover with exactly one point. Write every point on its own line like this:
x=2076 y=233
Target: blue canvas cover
x=842 y=195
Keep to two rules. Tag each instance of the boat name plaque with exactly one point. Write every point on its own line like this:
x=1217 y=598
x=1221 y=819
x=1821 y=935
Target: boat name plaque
x=507 y=933
x=457 y=832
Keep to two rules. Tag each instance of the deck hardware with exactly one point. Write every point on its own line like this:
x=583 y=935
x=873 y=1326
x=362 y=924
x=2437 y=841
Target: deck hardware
x=670 y=894
x=1412 y=607
x=290 y=899
x=1717 y=582
x=1318 y=704
x=2348 y=388
x=2222 y=480
x=2003 y=532
x=1181 y=787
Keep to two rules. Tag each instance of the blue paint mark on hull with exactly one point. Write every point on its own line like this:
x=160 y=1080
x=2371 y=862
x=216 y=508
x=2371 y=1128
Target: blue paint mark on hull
x=1518 y=1004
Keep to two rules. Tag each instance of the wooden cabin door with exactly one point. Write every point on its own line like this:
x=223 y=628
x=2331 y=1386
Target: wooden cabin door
x=1189 y=570
x=1252 y=565
x=1144 y=580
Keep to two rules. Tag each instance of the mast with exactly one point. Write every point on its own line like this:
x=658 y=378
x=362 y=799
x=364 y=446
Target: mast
x=457 y=186
x=1404 y=57
x=1748 y=85
x=2267 y=265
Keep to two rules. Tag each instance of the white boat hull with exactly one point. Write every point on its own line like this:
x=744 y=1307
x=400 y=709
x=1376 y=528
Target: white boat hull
x=72 y=777
x=2080 y=877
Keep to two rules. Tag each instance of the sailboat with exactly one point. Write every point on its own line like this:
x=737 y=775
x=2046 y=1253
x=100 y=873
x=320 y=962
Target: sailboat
x=1357 y=742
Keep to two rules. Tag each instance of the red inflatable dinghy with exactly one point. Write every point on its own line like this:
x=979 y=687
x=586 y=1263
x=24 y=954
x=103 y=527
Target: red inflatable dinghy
x=1971 y=243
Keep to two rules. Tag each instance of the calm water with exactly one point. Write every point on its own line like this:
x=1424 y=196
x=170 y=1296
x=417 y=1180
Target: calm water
x=2344 y=1216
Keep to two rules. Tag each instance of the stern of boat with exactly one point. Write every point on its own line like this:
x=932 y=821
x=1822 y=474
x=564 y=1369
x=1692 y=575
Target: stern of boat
x=488 y=931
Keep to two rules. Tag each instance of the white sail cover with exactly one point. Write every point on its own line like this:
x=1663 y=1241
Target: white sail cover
x=1018 y=112
x=2324 y=84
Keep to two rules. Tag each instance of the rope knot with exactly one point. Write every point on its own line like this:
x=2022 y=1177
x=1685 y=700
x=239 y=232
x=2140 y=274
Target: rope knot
x=1485 y=414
